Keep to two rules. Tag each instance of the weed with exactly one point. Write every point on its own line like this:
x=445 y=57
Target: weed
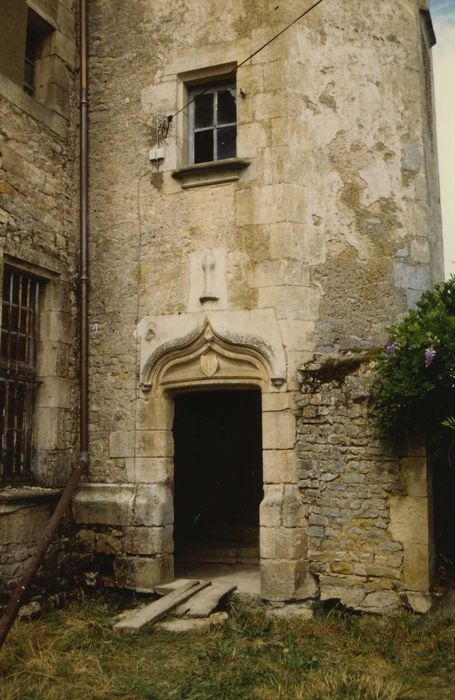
x=348 y=686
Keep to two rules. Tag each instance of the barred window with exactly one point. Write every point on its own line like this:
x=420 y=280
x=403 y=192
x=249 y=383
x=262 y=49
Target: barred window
x=18 y=382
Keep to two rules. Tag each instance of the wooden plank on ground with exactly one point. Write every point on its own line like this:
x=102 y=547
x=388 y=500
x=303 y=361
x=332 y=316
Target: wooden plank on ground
x=165 y=588
x=183 y=587
x=137 y=618
x=202 y=604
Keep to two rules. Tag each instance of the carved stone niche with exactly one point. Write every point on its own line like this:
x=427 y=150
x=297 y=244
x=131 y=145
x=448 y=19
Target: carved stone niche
x=208 y=359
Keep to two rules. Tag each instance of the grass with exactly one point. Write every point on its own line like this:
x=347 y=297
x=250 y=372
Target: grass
x=73 y=654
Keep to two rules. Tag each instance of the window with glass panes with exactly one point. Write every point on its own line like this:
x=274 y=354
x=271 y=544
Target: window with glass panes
x=38 y=30
x=212 y=123
x=18 y=383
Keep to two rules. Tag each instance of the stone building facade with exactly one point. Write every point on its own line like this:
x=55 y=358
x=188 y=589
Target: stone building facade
x=246 y=257
x=37 y=250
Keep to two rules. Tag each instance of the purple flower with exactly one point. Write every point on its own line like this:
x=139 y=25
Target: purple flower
x=390 y=348
x=430 y=354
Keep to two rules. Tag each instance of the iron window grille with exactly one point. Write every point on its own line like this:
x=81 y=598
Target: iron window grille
x=212 y=123
x=18 y=381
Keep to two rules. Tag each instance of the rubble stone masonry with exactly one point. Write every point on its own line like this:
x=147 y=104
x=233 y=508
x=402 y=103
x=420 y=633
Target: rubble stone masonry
x=367 y=506
x=38 y=234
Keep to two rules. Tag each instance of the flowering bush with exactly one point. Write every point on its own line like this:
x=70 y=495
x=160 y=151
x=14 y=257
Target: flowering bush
x=414 y=389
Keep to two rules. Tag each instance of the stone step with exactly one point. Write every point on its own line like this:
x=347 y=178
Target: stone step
x=218 y=558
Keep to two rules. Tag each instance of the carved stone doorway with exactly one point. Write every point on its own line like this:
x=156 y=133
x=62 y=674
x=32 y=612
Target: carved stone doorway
x=218 y=478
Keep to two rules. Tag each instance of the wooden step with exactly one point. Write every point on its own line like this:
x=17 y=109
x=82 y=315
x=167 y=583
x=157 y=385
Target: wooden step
x=204 y=602
x=134 y=620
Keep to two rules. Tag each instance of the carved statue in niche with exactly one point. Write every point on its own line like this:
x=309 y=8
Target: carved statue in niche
x=208 y=283
x=208 y=268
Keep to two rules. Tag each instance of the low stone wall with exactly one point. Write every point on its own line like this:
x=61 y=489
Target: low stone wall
x=367 y=508
x=128 y=530
x=24 y=514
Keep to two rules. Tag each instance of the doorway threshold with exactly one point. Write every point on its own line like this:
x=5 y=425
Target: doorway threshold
x=245 y=577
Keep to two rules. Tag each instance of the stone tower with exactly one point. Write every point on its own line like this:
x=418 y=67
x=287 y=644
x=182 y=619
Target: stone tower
x=256 y=224
x=288 y=214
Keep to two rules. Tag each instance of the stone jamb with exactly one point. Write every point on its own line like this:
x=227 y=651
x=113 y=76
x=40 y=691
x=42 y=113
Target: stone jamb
x=283 y=555
x=144 y=505
x=15 y=94
x=53 y=395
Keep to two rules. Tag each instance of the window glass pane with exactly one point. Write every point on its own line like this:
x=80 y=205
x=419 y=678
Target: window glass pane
x=12 y=348
x=4 y=344
x=25 y=316
x=203 y=111
x=29 y=76
x=14 y=318
x=20 y=348
x=226 y=142
x=203 y=146
x=227 y=112
x=14 y=289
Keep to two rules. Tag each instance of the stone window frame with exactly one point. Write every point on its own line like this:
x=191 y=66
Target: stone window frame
x=18 y=360
x=39 y=31
x=57 y=60
x=211 y=172
x=48 y=395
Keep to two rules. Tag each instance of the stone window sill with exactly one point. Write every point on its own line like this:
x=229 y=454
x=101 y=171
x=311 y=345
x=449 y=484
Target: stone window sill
x=14 y=94
x=212 y=173
x=20 y=495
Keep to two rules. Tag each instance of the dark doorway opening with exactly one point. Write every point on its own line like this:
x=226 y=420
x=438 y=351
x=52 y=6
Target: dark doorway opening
x=217 y=477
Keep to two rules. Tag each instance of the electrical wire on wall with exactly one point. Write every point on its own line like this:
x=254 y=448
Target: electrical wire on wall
x=165 y=124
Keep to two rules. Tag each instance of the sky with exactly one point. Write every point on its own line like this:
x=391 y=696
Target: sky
x=443 y=15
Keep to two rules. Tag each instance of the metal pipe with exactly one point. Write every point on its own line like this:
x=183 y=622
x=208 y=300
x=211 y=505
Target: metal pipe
x=15 y=602
x=84 y=276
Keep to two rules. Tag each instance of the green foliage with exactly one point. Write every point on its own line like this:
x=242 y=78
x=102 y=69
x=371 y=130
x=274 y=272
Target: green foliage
x=414 y=390
x=449 y=423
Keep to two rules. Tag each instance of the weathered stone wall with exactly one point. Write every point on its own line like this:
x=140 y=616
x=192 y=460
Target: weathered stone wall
x=13 y=29
x=324 y=230
x=329 y=222
x=368 y=508
x=38 y=234
x=24 y=513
